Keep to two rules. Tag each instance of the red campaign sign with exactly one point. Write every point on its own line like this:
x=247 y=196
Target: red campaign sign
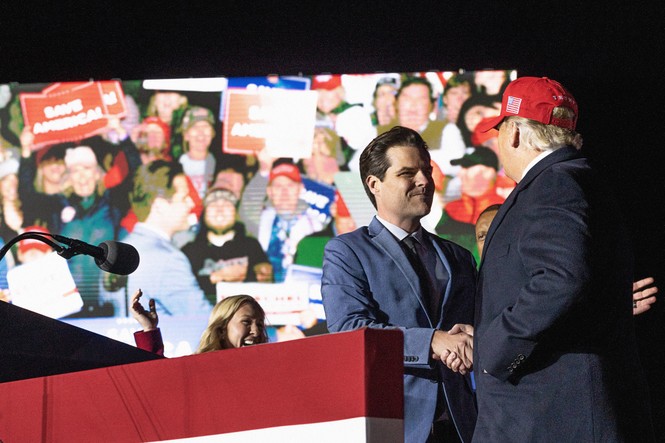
x=71 y=111
x=112 y=94
x=279 y=120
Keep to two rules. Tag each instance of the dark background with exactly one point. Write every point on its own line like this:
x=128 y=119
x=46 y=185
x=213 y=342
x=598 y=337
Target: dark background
x=608 y=53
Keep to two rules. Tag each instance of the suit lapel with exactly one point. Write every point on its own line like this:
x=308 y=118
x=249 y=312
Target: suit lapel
x=557 y=156
x=389 y=244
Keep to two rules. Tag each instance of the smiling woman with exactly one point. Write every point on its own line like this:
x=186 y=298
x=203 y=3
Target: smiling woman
x=235 y=321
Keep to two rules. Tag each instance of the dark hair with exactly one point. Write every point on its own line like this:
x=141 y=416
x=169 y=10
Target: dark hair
x=490 y=208
x=489 y=101
x=458 y=80
x=417 y=81
x=374 y=159
x=152 y=180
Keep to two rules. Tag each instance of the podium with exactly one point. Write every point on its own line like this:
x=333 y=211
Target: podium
x=33 y=345
x=340 y=387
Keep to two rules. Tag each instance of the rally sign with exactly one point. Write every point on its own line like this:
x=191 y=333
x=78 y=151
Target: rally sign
x=278 y=120
x=112 y=94
x=71 y=111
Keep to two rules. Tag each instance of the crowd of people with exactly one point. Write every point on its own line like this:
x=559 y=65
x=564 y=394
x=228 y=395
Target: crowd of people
x=158 y=177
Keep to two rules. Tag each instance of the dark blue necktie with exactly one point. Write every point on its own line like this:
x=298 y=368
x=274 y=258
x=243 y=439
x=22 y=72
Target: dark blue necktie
x=424 y=276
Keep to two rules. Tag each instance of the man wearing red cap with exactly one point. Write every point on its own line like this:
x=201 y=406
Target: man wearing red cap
x=351 y=122
x=283 y=222
x=555 y=353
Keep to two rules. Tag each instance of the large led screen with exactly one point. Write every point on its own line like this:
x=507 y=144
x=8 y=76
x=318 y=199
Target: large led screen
x=270 y=174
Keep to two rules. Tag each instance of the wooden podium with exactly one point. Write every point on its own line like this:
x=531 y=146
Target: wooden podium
x=342 y=387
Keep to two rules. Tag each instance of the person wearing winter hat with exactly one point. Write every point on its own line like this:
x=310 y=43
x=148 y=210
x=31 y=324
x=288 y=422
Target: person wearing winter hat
x=222 y=251
x=198 y=131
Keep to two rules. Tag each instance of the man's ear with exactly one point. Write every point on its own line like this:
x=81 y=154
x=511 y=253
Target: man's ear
x=373 y=183
x=161 y=204
x=514 y=135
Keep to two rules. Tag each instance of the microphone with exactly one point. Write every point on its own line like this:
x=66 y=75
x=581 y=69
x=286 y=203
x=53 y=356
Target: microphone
x=110 y=256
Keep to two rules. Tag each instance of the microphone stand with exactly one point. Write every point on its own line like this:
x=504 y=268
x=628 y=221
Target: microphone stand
x=42 y=237
x=76 y=247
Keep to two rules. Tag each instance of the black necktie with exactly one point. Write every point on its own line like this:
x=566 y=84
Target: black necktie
x=423 y=275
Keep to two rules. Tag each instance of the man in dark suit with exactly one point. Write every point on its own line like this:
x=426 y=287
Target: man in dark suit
x=555 y=353
x=371 y=279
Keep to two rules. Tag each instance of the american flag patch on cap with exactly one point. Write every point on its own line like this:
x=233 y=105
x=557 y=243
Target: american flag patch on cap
x=513 y=105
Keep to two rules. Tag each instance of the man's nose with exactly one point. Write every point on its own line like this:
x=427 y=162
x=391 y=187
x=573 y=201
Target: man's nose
x=422 y=178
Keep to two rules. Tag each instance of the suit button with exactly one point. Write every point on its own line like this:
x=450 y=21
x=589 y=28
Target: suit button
x=521 y=357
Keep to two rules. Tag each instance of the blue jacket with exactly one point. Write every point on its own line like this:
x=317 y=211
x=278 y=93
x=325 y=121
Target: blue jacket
x=368 y=281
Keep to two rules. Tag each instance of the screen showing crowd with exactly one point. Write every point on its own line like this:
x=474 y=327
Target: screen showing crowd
x=224 y=185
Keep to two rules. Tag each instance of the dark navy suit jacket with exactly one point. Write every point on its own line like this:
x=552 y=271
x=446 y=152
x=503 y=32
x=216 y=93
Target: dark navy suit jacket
x=555 y=354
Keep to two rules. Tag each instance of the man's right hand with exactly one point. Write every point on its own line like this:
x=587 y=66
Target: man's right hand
x=454 y=348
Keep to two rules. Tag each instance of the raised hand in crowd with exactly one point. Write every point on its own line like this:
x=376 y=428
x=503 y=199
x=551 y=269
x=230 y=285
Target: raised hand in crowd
x=27 y=140
x=147 y=319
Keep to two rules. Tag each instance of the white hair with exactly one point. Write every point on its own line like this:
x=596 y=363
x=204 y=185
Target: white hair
x=541 y=137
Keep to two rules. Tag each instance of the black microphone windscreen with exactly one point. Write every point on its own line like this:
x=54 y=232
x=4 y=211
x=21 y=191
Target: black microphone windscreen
x=121 y=258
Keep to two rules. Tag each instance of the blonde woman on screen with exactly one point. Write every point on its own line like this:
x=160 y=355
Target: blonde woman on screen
x=234 y=322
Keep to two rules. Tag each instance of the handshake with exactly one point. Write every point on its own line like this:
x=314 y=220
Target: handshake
x=454 y=348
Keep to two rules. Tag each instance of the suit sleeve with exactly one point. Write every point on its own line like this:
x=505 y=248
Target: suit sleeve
x=551 y=250
x=349 y=303
x=150 y=341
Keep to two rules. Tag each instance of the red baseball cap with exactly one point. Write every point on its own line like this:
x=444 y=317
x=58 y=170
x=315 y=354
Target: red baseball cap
x=326 y=81
x=166 y=129
x=534 y=98
x=286 y=169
